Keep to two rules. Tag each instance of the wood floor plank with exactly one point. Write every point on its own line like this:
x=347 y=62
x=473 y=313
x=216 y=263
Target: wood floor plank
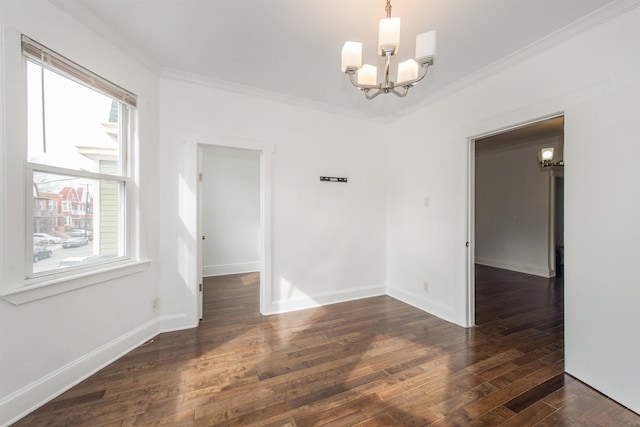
x=337 y=412
x=530 y=415
x=537 y=393
x=514 y=389
x=492 y=418
x=371 y=362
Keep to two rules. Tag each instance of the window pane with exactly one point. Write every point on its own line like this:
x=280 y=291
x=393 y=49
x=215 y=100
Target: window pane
x=76 y=221
x=80 y=124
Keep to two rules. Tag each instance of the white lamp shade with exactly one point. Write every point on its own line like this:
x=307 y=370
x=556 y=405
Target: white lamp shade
x=389 y=35
x=407 y=71
x=351 y=56
x=425 y=46
x=546 y=155
x=368 y=75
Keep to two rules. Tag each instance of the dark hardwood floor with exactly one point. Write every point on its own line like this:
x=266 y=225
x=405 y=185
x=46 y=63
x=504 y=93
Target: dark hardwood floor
x=372 y=362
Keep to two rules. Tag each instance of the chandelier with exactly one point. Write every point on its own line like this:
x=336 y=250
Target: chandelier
x=410 y=72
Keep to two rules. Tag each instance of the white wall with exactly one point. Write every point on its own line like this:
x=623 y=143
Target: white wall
x=231 y=211
x=512 y=207
x=328 y=240
x=601 y=100
x=49 y=344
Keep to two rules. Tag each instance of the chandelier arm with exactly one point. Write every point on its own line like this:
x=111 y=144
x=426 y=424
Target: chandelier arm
x=401 y=94
x=424 y=66
x=376 y=93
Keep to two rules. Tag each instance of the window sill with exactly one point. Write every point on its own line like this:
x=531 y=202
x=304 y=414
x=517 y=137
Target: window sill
x=58 y=286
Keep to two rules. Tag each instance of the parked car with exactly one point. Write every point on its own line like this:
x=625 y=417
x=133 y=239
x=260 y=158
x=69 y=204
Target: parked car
x=45 y=239
x=75 y=242
x=73 y=260
x=40 y=252
x=80 y=232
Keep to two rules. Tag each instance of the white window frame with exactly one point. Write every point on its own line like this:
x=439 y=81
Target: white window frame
x=16 y=207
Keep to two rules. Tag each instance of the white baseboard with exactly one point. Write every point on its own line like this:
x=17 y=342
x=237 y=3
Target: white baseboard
x=175 y=322
x=318 y=300
x=520 y=268
x=224 y=269
x=418 y=301
x=24 y=401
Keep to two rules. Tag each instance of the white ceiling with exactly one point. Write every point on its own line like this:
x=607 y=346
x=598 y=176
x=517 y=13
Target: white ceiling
x=293 y=47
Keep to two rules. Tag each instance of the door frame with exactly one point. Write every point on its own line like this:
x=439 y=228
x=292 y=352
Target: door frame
x=471 y=211
x=266 y=151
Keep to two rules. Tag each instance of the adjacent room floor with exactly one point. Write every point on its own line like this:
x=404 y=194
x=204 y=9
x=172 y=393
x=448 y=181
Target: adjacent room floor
x=372 y=362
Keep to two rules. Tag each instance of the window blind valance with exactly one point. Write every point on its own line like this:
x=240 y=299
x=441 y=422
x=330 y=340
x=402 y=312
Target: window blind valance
x=58 y=63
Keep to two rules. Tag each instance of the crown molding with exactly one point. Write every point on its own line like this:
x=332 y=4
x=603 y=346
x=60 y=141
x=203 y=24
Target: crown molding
x=391 y=113
x=251 y=91
x=558 y=37
x=79 y=12
x=588 y=22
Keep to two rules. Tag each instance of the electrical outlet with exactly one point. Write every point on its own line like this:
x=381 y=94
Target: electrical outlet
x=425 y=286
x=155 y=304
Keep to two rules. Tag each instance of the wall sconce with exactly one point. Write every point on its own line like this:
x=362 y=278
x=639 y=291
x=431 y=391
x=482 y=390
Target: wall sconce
x=545 y=157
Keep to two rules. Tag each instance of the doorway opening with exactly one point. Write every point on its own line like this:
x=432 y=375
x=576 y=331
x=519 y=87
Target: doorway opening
x=233 y=211
x=516 y=226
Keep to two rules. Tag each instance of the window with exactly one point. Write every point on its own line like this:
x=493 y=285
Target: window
x=78 y=165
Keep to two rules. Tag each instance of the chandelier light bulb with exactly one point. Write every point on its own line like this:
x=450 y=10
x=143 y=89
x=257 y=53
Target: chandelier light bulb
x=389 y=36
x=351 y=56
x=407 y=71
x=426 y=46
x=368 y=75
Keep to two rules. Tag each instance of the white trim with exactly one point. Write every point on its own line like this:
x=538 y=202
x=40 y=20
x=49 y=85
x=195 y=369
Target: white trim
x=225 y=269
x=200 y=231
x=79 y=12
x=46 y=289
x=266 y=149
x=574 y=29
x=319 y=300
x=175 y=322
x=586 y=23
x=254 y=92
x=14 y=131
x=471 y=214
x=470 y=313
x=229 y=141
x=520 y=268
x=3 y=169
x=425 y=304
x=32 y=396
x=75 y=173
x=551 y=231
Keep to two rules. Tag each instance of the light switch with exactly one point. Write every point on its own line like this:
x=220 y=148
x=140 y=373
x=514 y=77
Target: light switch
x=426 y=202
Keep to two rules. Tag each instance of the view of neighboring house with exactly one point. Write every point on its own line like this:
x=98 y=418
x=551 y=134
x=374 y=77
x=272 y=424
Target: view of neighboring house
x=55 y=213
